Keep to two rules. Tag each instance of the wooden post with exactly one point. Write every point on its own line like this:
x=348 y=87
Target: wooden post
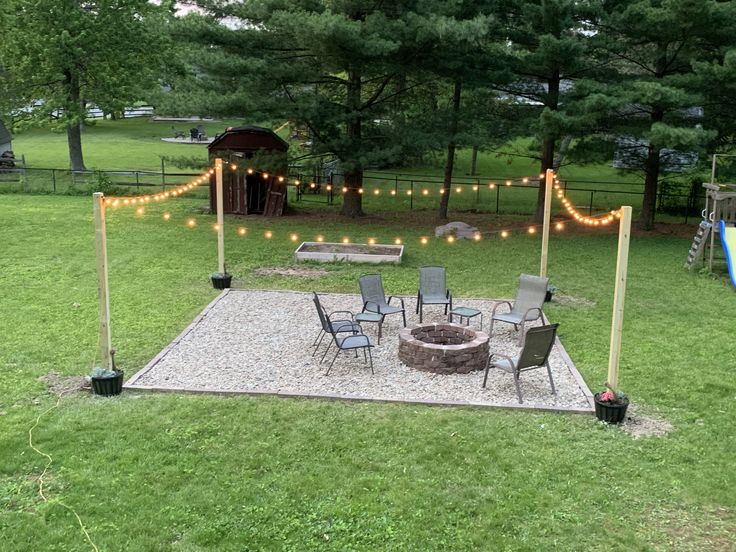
x=549 y=179
x=102 y=288
x=220 y=218
x=622 y=263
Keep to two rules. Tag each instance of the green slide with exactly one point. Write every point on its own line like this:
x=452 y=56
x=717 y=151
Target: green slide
x=728 y=238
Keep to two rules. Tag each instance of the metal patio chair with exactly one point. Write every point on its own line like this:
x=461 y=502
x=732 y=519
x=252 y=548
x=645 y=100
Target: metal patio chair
x=332 y=325
x=432 y=289
x=346 y=335
x=535 y=354
x=527 y=307
x=374 y=298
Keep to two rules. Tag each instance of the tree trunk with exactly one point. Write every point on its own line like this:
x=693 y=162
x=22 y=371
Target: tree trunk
x=474 y=161
x=450 y=162
x=74 y=140
x=352 y=204
x=74 y=113
x=649 y=200
x=549 y=142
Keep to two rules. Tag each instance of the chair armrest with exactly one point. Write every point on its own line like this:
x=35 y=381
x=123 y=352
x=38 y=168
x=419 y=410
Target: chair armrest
x=539 y=312
x=352 y=316
x=399 y=298
x=376 y=306
x=498 y=304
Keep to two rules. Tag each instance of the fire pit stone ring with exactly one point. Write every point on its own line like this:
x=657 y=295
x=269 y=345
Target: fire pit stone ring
x=443 y=348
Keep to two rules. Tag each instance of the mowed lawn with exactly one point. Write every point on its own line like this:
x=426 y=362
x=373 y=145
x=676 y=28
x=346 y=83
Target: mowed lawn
x=184 y=472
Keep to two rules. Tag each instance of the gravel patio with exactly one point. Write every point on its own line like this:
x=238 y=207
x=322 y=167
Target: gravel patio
x=259 y=342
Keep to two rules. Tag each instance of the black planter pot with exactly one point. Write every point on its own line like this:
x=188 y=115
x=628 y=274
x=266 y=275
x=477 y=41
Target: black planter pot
x=548 y=296
x=221 y=281
x=109 y=386
x=611 y=413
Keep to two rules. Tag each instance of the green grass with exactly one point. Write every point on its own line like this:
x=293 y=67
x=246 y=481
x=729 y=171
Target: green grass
x=182 y=472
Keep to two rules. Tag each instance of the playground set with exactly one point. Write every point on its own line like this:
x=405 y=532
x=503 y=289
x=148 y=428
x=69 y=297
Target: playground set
x=719 y=217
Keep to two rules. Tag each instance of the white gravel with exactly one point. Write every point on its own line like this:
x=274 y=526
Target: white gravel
x=260 y=341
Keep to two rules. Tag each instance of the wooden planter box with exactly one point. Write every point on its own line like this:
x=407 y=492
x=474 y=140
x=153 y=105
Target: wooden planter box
x=351 y=252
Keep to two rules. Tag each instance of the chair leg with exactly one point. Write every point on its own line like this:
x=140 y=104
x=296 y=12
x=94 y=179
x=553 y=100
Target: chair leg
x=370 y=358
x=365 y=356
x=421 y=313
x=490 y=328
x=521 y=333
x=319 y=336
x=333 y=362
x=316 y=347
x=485 y=378
x=403 y=315
x=551 y=383
x=518 y=387
x=329 y=345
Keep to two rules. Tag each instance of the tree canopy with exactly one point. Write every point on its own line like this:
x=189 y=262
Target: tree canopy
x=59 y=57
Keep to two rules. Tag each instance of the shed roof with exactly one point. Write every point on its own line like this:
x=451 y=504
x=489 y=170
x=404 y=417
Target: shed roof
x=248 y=138
x=5 y=136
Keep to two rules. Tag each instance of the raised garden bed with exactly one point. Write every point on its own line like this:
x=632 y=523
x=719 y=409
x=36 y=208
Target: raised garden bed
x=352 y=252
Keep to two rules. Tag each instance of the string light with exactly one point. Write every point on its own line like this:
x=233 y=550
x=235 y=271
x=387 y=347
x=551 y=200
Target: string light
x=559 y=226
x=294 y=237
x=525 y=180
x=393 y=192
x=423 y=240
x=376 y=191
x=329 y=188
x=191 y=223
x=242 y=231
x=346 y=240
x=458 y=189
x=397 y=241
x=504 y=234
x=477 y=236
x=532 y=230
x=320 y=238
x=450 y=239
x=475 y=188
x=492 y=185
x=216 y=227
x=508 y=183
x=371 y=241
x=344 y=189
x=268 y=234
x=425 y=192
x=408 y=192
x=166 y=216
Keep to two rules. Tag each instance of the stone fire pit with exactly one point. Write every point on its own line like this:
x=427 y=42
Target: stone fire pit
x=443 y=348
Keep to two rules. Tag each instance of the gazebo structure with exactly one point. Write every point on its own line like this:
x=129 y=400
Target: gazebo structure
x=257 y=191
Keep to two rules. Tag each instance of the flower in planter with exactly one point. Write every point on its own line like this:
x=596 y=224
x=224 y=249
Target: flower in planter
x=612 y=397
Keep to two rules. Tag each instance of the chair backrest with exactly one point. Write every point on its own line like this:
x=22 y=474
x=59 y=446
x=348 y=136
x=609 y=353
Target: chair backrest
x=531 y=293
x=323 y=317
x=537 y=346
x=371 y=289
x=432 y=280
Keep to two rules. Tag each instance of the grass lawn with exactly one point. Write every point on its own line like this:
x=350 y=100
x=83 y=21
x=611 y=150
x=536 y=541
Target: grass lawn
x=183 y=472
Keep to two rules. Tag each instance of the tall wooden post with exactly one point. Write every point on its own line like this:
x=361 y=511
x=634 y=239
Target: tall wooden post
x=549 y=179
x=622 y=263
x=220 y=218
x=102 y=288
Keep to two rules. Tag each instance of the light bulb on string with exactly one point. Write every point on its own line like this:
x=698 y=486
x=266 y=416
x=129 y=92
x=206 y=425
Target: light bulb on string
x=242 y=231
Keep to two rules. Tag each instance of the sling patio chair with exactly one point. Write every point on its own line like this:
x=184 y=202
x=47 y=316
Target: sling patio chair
x=432 y=289
x=527 y=307
x=346 y=335
x=331 y=324
x=374 y=298
x=534 y=354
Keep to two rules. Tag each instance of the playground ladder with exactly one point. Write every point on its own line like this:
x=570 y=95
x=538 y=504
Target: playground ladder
x=698 y=246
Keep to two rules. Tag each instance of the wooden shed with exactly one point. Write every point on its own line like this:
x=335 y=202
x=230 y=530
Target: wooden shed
x=253 y=187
